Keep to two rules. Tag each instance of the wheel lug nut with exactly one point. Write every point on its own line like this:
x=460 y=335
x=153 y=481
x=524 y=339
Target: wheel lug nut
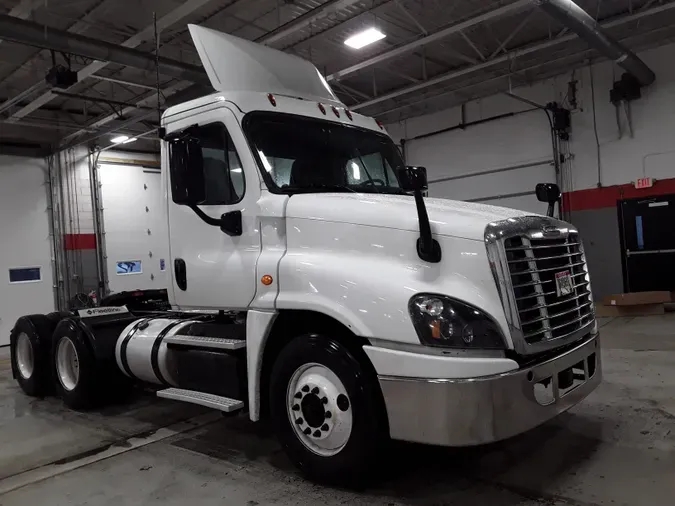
x=324 y=400
x=328 y=414
x=305 y=389
x=307 y=431
x=299 y=421
x=316 y=433
x=324 y=427
x=295 y=407
x=315 y=390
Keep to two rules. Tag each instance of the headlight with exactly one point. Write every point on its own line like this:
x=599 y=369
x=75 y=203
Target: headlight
x=442 y=321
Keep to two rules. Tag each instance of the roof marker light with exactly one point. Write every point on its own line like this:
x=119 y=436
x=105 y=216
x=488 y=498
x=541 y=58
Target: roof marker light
x=349 y=114
x=272 y=100
x=335 y=110
x=380 y=124
x=322 y=108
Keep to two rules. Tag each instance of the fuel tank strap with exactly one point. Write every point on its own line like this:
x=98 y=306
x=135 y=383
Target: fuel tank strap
x=125 y=343
x=154 y=355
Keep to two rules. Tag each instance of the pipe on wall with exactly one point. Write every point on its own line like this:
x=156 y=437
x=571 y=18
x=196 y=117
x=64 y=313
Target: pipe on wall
x=35 y=34
x=580 y=22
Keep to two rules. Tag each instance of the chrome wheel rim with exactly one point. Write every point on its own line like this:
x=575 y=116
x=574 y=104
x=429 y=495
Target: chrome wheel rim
x=67 y=364
x=24 y=356
x=319 y=409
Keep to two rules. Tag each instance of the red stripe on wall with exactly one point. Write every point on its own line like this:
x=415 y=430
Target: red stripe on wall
x=607 y=196
x=79 y=241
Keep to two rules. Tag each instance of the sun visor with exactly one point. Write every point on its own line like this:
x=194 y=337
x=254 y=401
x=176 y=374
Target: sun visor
x=235 y=64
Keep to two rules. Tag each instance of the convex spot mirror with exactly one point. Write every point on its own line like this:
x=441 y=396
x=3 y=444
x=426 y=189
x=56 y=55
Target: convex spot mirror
x=412 y=178
x=548 y=192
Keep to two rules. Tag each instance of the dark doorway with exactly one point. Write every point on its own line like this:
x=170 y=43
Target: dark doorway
x=647 y=228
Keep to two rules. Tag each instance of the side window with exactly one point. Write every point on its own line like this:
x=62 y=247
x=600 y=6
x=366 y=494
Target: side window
x=223 y=174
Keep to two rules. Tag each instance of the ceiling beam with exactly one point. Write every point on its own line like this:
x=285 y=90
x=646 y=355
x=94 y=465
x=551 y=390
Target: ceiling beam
x=441 y=34
x=150 y=99
x=24 y=9
x=508 y=57
x=144 y=35
x=305 y=20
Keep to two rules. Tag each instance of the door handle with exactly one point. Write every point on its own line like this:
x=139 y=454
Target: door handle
x=180 y=272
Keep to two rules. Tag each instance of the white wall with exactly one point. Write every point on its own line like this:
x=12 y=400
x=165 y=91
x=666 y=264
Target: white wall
x=26 y=242
x=525 y=137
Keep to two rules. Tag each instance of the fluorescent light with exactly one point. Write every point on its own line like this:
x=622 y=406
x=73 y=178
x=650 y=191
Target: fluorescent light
x=133 y=139
x=356 y=170
x=364 y=38
x=265 y=161
x=119 y=139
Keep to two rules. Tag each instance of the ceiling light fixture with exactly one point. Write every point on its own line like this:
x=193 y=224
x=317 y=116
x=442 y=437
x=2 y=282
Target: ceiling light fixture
x=133 y=139
x=364 y=38
x=119 y=139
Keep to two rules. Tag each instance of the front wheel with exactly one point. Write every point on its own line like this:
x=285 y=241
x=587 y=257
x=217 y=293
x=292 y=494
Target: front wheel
x=327 y=411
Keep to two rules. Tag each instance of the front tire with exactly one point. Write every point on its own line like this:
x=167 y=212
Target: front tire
x=326 y=410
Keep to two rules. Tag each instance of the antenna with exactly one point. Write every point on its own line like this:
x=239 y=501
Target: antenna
x=159 y=91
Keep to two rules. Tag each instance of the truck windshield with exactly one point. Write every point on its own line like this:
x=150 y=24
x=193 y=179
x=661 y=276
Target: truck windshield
x=301 y=155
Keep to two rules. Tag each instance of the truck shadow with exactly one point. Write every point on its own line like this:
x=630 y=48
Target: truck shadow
x=531 y=466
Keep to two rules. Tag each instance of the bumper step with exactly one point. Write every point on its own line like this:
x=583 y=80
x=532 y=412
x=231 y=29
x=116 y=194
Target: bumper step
x=221 y=343
x=203 y=399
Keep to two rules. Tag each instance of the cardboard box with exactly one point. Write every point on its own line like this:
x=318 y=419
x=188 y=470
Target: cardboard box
x=637 y=298
x=637 y=310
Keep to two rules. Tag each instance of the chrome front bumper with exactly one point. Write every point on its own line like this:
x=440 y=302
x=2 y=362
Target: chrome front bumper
x=468 y=412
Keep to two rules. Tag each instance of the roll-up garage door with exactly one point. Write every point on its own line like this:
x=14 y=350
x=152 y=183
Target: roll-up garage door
x=136 y=243
x=25 y=251
x=497 y=163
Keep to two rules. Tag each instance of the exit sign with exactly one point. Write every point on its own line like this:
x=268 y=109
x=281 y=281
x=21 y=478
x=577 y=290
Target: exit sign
x=644 y=182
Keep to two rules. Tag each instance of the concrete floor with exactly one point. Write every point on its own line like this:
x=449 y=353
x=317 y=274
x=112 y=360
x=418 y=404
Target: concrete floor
x=616 y=448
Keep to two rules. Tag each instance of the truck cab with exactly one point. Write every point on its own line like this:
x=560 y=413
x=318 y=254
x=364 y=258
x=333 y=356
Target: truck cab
x=311 y=282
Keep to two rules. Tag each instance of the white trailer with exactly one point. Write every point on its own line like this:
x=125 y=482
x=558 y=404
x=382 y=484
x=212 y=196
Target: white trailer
x=313 y=284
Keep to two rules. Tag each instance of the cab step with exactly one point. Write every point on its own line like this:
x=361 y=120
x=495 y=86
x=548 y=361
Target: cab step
x=221 y=343
x=203 y=399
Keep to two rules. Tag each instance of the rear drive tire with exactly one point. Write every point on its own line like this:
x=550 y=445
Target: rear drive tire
x=326 y=410
x=30 y=343
x=77 y=378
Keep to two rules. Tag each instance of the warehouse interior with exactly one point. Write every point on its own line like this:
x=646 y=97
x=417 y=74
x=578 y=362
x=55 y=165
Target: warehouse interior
x=492 y=97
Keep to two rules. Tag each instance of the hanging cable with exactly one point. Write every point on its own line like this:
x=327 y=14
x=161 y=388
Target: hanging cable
x=595 y=126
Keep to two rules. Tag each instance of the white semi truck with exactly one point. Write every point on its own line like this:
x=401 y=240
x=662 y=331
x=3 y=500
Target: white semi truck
x=312 y=283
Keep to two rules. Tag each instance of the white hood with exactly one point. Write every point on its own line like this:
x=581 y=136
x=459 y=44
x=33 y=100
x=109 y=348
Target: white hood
x=235 y=64
x=448 y=217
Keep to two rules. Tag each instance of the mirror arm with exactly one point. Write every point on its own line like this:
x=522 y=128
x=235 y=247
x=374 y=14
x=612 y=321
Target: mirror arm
x=209 y=220
x=551 y=208
x=428 y=248
x=230 y=223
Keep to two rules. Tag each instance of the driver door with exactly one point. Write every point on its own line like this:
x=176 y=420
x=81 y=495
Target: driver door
x=210 y=268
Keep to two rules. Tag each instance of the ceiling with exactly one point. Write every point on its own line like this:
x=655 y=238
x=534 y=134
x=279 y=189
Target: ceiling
x=437 y=53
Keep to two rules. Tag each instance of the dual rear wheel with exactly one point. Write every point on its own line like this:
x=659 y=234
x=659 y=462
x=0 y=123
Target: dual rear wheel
x=51 y=354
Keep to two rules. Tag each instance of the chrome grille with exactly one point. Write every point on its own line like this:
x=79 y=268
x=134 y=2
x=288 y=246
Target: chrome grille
x=533 y=264
x=526 y=261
